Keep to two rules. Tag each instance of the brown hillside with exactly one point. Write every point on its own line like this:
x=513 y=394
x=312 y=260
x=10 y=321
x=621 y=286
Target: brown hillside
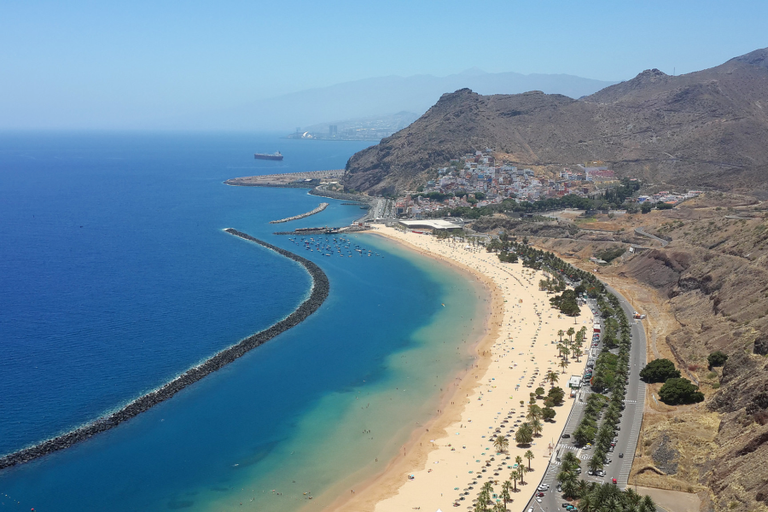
x=705 y=130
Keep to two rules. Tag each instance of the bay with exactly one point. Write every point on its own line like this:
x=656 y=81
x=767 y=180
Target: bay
x=117 y=276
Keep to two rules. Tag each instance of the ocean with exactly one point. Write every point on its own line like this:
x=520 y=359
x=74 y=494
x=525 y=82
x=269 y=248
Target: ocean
x=116 y=276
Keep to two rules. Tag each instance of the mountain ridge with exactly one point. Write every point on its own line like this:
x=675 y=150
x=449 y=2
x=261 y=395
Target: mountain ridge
x=703 y=128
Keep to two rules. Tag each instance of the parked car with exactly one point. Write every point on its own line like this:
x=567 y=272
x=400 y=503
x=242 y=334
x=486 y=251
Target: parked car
x=544 y=487
x=566 y=436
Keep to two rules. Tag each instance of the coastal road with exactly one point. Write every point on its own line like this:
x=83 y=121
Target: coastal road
x=630 y=423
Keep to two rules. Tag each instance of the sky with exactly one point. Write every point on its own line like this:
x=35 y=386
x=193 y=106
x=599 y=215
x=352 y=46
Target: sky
x=116 y=64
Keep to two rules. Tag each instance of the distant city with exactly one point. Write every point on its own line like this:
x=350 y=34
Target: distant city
x=368 y=128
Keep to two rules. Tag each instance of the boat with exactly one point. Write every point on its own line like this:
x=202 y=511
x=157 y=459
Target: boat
x=266 y=156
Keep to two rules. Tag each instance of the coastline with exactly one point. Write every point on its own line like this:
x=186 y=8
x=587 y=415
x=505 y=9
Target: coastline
x=317 y=295
x=430 y=447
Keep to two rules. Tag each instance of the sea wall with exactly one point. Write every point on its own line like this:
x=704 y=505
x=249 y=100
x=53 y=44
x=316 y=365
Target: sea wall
x=318 y=294
x=320 y=208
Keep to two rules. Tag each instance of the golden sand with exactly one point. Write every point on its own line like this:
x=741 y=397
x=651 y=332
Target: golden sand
x=443 y=459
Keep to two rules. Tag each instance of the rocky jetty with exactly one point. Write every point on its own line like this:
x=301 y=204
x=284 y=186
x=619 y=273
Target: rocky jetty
x=320 y=208
x=320 y=288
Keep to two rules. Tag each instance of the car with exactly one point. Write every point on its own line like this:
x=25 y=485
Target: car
x=559 y=488
x=566 y=436
x=566 y=505
x=544 y=487
x=610 y=448
x=600 y=473
x=590 y=472
x=538 y=500
x=621 y=455
x=614 y=481
x=540 y=494
x=588 y=447
x=578 y=471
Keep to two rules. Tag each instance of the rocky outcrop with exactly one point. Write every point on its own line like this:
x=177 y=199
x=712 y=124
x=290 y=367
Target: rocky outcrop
x=320 y=288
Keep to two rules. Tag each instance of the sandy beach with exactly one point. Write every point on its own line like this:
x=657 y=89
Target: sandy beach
x=455 y=450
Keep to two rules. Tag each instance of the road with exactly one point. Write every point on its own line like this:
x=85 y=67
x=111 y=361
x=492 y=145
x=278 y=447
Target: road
x=630 y=423
x=640 y=231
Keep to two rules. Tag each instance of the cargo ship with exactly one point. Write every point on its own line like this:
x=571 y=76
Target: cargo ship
x=265 y=156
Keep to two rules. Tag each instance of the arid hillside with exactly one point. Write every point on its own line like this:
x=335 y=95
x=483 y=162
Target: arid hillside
x=705 y=129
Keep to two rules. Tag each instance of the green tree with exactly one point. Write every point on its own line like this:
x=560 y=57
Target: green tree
x=659 y=370
x=524 y=434
x=529 y=455
x=548 y=414
x=680 y=391
x=557 y=395
x=536 y=426
x=716 y=358
x=540 y=392
x=534 y=412
x=505 y=495
x=552 y=376
x=501 y=443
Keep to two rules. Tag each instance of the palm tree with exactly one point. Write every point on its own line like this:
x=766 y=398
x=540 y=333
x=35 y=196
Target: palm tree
x=552 y=378
x=570 y=461
x=501 y=443
x=570 y=333
x=648 y=504
x=519 y=461
x=499 y=507
x=560 y=333
x=594 y=464
x=524 y=434
x=536 y=426
x=563 y=364
x=534 y=412
x=529 y=455
x=522 y=471
x=513 y=477
x=506 y=487
x=577 y=353
x=566 y=353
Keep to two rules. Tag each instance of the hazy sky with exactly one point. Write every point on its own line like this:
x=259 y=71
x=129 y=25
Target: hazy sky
x=79 y=63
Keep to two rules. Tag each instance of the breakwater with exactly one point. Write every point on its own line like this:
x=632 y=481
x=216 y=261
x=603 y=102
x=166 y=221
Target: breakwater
x=320 y=208
x=318 y=294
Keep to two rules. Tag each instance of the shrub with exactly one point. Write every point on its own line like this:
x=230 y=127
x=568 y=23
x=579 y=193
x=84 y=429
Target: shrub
x=717 y=358
x=676 y=391
x=659 y=371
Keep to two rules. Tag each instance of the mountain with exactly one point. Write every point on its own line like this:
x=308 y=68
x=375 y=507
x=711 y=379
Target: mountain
x=702 y=129
x=377 y=97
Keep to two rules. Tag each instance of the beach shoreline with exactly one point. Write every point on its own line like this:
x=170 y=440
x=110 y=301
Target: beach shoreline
x=399 y=485
x=372 y=489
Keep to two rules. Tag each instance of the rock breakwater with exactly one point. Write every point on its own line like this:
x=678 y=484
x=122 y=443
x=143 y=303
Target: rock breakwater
x=320 y=208
x=318 y=294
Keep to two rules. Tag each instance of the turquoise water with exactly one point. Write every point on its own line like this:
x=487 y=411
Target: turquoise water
x=117 y=277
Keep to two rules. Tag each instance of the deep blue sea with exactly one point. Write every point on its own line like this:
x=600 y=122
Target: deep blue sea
x=116 y=276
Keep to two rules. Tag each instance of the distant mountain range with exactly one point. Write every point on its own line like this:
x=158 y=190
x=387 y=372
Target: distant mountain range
x=703 y=129
x=381 y=96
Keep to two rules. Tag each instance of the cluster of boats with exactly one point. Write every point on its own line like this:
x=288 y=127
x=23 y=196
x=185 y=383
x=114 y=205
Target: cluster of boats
x=332 y=246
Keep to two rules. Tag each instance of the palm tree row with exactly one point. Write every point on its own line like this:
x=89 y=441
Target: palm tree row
x=485 y=499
